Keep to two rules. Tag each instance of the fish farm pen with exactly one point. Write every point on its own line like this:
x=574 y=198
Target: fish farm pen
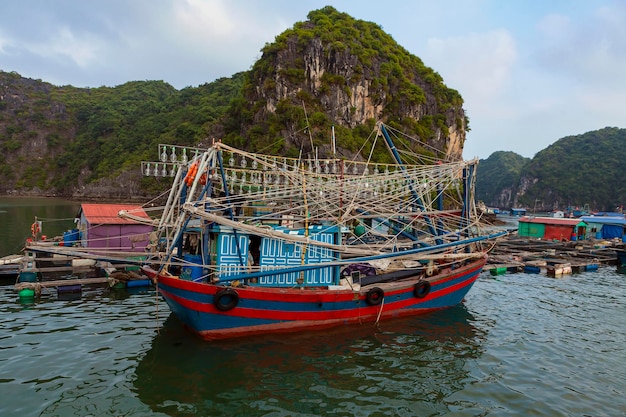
x=522 y=254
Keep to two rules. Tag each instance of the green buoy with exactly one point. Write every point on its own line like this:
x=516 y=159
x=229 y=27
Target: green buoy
x=26 y=293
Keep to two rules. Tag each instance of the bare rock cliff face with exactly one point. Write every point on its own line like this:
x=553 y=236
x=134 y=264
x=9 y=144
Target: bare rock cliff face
x=351 y=92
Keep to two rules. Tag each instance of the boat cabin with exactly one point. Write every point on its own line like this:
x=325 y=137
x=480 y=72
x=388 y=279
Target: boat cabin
x=233 y=253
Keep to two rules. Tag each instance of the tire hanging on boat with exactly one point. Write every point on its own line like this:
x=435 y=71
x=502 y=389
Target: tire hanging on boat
x=421 y=289
x=374 y=296
x=226 y=299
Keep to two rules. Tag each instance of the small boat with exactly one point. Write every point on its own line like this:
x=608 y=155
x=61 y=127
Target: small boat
x=254 y=244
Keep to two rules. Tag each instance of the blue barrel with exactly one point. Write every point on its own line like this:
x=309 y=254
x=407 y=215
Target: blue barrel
x=69 y=288
x=138 y=283
x=70 y=237
x=531 y=269
x=27 y=276
x=192 y=272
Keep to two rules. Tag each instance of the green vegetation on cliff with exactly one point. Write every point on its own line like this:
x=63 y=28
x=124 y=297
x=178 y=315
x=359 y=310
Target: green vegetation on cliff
x=498 y=175
x=118 y=127
x=64 y=140
x=71 y=136
x=311 y=75
x=587 y=169
x=579 y=170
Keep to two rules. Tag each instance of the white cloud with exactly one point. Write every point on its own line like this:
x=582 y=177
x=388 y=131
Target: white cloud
x=191 y=42
x=590 y=49
x=5 y=43
x=205 y=20
x=481 y=67
x=224 y=25
x=555 y=28
x=478 y=65
x=82 y=50
x=529 y=73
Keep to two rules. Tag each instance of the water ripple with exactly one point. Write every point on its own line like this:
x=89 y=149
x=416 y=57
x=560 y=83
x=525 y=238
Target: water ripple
x=521 y=344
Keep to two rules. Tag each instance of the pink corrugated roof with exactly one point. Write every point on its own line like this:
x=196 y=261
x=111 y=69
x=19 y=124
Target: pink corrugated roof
x=107 y=213
x=550 y=220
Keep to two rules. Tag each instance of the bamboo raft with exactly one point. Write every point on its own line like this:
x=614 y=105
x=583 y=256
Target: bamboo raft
x=516 y=254
x=37 y=286
x=75 y=284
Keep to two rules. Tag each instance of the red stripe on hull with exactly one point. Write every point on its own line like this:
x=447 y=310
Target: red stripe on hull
x=358 y=311
x=290 y=320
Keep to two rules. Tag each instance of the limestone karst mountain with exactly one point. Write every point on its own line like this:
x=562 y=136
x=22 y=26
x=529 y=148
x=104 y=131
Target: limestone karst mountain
x=329 y=72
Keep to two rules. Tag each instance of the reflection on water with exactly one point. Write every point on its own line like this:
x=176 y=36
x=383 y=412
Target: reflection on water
x=18 y=213
x=413 y=361
x=621 y=270
x=521 y=345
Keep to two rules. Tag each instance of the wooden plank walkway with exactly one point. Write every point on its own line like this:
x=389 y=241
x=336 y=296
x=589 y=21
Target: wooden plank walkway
x=61 y=282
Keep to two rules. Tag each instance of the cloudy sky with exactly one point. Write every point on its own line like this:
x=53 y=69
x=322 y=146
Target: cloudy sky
x=530 y=72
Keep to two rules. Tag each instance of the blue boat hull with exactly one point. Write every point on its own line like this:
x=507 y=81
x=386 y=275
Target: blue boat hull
x=218 y=312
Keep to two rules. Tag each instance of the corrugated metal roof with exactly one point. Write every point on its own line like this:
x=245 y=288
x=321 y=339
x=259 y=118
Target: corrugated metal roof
x=550 y=220
x=108 y=213
x=621 y=220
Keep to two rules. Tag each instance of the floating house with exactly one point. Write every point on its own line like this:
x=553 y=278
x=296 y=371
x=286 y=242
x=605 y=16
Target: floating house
x=518 y=211
x=100 y=227
x=552 y=228
x=606 y=227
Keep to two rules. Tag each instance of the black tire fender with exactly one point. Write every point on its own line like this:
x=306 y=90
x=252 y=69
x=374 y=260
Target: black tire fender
x=421 y=289
x=226 y=299
x=374 y=296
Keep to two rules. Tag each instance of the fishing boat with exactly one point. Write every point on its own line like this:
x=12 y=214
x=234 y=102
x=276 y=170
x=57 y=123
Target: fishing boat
x=253 y=244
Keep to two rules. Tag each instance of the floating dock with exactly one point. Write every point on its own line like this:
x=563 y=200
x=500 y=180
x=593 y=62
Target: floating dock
x=37 y=286
x=521 y=254
x=69 y=277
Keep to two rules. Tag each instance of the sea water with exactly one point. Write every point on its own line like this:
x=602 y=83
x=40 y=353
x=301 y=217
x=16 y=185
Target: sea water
x=17 y=214
x=520 y=345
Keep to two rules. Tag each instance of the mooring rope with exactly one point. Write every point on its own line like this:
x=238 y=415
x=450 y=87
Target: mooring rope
x=380 y=311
